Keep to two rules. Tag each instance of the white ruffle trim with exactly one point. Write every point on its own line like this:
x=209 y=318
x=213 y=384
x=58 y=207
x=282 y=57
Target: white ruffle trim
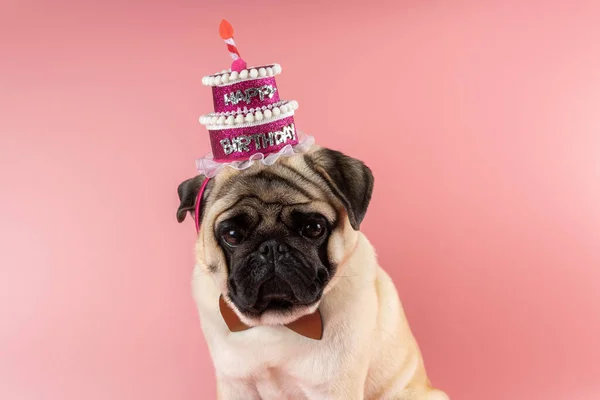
x=208 y=167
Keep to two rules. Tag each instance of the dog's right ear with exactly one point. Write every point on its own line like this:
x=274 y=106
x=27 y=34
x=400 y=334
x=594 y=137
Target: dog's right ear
x=188 y=192
x=348 y=178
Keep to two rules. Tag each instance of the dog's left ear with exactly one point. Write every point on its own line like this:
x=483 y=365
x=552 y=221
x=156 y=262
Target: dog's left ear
x=348 y=178
x=188 y=192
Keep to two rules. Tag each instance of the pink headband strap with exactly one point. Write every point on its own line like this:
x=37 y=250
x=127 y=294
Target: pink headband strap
x=198 y=201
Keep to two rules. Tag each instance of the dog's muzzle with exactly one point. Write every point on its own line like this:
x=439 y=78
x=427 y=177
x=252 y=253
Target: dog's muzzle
x=274 y=277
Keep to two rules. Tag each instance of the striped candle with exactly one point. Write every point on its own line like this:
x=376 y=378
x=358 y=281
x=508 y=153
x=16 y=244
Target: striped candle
x=226 y=33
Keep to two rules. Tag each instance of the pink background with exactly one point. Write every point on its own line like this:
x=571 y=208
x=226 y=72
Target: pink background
x=488 y=220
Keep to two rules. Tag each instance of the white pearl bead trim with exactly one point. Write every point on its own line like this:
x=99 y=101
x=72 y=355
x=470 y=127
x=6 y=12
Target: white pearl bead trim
x=241 y=115
x=245 y=117
x=228 y=77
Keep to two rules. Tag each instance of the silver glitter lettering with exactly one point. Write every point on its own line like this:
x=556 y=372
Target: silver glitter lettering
x=258 y=141
x=289 y=132
x=267 y=90
x=242 y=143
x=279 y=137
x=257 y=138
x=228 y=148
x=250 y=93
x=234 y=98
x=268 y=140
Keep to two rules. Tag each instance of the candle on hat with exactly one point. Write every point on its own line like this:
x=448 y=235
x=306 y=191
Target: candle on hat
x=250 y=122
x=226 y=33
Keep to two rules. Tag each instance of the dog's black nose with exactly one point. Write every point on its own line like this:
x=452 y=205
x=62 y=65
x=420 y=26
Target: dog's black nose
x=272 y=248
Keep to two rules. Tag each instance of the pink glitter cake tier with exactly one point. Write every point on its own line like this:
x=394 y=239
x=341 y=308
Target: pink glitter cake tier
x=239 y=143
x=251 y=88
x=237 y=135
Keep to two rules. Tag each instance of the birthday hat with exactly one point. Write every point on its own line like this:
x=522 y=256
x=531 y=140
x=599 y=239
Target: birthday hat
x=250 y=122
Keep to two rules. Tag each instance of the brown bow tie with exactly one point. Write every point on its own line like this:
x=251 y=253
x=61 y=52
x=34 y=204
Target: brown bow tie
x=310 y=326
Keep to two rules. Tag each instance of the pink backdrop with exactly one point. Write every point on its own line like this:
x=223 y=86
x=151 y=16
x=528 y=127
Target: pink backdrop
x=488 y=220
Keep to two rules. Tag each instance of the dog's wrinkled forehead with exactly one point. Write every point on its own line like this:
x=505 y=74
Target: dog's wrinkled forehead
x=271 y=209
x=270 y=186
x=271 y=195
x=320 y=177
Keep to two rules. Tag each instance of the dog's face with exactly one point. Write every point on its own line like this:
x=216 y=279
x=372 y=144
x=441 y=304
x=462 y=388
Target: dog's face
x=275 y=237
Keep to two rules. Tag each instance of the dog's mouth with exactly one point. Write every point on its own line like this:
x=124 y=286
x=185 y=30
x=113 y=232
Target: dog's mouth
x=275 y=297
x=279 y=305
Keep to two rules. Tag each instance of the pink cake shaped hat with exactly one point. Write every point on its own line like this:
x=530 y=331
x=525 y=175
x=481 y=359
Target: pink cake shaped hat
x=251 y=122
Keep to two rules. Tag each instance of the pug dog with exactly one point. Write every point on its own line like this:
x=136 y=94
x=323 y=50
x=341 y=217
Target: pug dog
x=292 y=301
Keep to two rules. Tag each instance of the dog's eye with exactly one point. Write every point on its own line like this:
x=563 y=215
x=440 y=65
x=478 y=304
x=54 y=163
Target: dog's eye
x=313 y=229
x=232 y=237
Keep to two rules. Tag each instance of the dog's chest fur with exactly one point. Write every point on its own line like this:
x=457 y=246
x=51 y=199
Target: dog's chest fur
x=277 y=383
x=276 y=363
